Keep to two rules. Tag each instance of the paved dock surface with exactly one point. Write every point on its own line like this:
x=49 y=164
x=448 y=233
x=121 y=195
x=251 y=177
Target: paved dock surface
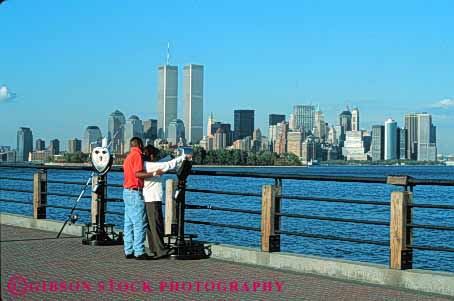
x=35 y=266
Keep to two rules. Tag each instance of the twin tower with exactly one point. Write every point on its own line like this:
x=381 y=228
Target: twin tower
x=192 y=100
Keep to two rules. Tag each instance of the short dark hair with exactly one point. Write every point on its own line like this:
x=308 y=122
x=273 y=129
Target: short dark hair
x=136 y=141
x=152 y=150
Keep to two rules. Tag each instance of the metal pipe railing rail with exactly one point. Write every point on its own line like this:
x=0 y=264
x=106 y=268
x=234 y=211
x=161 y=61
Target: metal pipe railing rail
x=401 y=206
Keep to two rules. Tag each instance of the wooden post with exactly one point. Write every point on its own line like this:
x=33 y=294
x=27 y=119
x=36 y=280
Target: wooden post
x=270 y=240
x=401 y=253
x=39 y=195
x=171 y=208
x=94 y=200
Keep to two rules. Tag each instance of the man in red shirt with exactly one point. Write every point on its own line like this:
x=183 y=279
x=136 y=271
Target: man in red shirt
x=135 y=217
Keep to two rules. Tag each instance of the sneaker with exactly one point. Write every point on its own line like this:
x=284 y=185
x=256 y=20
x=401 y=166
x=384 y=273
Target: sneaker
x=144 y=256
x=129 y=256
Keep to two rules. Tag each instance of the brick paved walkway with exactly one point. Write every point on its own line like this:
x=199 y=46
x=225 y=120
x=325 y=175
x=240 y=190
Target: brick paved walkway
x=72 y=271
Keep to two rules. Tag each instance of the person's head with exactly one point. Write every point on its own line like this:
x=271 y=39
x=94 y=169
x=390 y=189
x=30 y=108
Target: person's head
x=151 y=153
x=136 y=142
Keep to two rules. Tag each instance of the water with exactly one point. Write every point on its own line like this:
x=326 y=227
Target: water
x=442 y=261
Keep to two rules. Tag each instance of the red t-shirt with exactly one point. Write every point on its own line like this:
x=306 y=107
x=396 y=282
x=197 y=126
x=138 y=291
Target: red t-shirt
x=132 y=164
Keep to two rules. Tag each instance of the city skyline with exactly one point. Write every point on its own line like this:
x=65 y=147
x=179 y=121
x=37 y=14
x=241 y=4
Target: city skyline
x=364 y=64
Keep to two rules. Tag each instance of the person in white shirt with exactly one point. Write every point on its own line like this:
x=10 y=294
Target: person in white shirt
x=153 y=195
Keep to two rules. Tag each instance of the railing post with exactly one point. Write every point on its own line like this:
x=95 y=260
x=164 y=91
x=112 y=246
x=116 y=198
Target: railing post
x=94 y=200
x=39 y=194
x=171 y=208
x=270 y=240
x=401 y=252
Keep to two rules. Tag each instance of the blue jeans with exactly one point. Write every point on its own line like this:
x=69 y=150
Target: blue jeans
x=135 y=222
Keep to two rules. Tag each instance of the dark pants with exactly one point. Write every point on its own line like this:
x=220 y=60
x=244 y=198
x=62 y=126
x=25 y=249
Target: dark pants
x=155 y=232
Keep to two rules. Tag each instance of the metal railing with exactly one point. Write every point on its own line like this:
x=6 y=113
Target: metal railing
x=401 y=207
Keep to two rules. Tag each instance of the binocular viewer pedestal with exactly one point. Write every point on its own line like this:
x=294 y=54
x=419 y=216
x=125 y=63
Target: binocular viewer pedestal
x=183 y=246
x=100 y=233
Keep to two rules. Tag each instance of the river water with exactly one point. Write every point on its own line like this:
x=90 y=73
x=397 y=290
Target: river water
x=442 y=261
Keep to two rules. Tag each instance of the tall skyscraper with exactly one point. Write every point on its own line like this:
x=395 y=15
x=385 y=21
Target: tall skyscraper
x=378 y=143
x=74 y=146
x=243 y=123
x=390 y=139
x=304 y=117
x=54 y=147
x=116 y=125
x=280 y=144
x=193 y=102
x=133 y=128
x=355 y=119
x=291 y=122
x=427 y=148
x=345 y=125
x=167 y=97
x=24 y=143
x=402 y=138
x=319 y=124
x=176 y=132
x=40 y=145
x=274 y=119
x=210 y=124
x=92 y=138
x=411 y=125
x=150 y=129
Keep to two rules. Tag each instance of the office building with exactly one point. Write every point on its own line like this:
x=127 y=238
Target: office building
x=220 y=140
x=243 y=123
x=411 y=125
x=280 y=144
x=193 y=102
x=274 y=119
x=210 y=123
x=332 y=136
x=378 y=143
x=74 y=146
x=24 y=144
x=150 y=129
x=402 y=138
x=115 y=130
x=54 y=147
x=167 y=97
x=176 y=132
x=294 y=143
x=256 y=140
x=390 y=140
x=133 y=128
x=345 y=125
x=207 y=143
x=292 y=122
x=355 y=119
x=304 y=117
x=40 y=156
x=427 y=148
x=40 y=145
x=353 y=148
x=92 y=138
x=319 y=124
x=309 y=150
x=226 y=129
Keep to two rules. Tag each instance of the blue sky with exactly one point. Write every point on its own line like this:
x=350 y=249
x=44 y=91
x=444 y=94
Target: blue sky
x=70 y=63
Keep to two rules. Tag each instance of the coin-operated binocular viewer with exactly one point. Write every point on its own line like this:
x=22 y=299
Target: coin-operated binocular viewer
x=100 y=233
x=181 y=245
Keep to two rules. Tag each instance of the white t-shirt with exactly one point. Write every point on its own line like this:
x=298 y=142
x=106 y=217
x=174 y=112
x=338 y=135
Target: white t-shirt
x=152 y=188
